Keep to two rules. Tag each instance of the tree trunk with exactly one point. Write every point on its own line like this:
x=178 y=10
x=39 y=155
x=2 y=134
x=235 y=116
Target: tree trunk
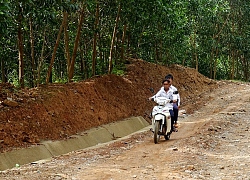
x=32 y=52
x=84 y=69
x=216 y=57
x=232 y=65
x=72 y=63
x=156 y=53
x=184 y=59
x=40 y=62
x=48 y=78
x=245 y=67
x=122 y=44
x=95 y=40
x=211 y=64
x=195 y=54
x=66 y=40
x=20 y=49
x=113 y=39
x=215 y=64
x=102 y=55
x=4 y=79
x=160 y=46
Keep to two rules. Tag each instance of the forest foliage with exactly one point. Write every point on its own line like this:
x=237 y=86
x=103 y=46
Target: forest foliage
x=62 y=41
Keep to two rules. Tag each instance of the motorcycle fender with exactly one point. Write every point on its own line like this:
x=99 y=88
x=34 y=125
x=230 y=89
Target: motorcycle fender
x=159 y=117
x=168 y=124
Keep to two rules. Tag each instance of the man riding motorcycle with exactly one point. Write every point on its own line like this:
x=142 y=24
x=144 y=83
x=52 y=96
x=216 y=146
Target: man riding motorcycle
x=165 y=91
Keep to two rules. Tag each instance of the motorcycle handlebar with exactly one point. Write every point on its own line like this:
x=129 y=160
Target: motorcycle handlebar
x=153 y=99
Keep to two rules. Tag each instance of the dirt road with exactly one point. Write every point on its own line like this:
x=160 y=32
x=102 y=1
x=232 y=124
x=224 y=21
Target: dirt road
x=212 y=143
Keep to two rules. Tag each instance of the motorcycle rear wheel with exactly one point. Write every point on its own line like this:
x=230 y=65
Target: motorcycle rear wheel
x=167 y=136
x=156 y=132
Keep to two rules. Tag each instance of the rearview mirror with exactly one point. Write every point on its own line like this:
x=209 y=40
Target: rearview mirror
x=151 y=90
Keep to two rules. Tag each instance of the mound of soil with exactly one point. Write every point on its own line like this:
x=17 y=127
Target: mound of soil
x=57 y=111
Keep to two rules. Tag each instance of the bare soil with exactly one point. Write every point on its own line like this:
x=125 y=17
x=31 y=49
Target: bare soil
x=58 y=111
x=212 y=142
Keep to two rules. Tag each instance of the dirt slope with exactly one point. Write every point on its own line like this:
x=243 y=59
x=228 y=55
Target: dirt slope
x=58 y=111
x=212 y=143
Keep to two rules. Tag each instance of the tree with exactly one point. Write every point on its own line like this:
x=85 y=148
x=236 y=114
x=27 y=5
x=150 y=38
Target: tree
x=73 y=58
x=211 y=36
x=95 y=39
x=113 y=40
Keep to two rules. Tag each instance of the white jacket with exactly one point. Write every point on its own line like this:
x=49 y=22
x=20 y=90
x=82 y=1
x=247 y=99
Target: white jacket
x=174 y=89
x=169 y=94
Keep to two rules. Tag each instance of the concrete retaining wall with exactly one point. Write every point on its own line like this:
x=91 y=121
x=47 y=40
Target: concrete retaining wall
x=87 y=139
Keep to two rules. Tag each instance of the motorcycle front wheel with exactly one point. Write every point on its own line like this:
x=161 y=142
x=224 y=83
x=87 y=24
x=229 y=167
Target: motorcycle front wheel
x=156 y=132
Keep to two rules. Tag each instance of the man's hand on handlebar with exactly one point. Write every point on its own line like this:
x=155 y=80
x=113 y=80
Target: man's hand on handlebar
x=151 y=99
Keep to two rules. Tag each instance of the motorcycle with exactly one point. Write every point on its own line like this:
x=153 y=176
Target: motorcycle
x=161 y=119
